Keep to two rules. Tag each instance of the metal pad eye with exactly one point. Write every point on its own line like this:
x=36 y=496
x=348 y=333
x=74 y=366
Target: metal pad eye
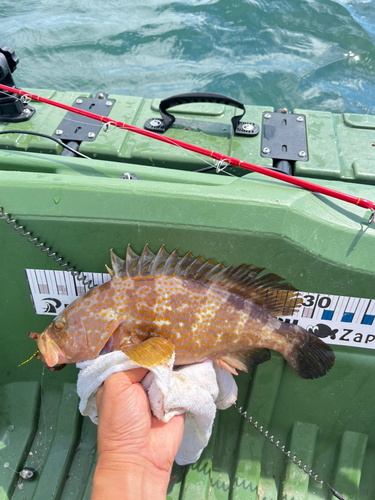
x=28 y=474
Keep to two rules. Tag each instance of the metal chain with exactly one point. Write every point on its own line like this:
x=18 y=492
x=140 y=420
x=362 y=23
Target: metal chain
x=286 y=453
x=78 y=275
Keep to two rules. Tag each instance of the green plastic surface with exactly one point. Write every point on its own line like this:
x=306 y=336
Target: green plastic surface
x=80 y=208
x=340 y=146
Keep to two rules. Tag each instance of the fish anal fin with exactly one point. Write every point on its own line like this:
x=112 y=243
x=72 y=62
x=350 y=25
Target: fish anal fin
x=219 y=362
x=153 y=351
x=245 y=360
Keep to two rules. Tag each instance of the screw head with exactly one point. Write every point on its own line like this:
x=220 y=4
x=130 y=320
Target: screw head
x=155 y=122
x=109 y=103
x=79 y=101
x=266 y=151
x=58 y=132
x=299 y=118
x=101 y=95
x=267 y=115
x=302 y=154
x=91 y=135
x=26 y=111
x=249 y=127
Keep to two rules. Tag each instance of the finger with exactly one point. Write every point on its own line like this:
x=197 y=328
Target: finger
x=126 y=378
x=171 y=431
x=177 y=422
x=119 y=382
x=136 y=375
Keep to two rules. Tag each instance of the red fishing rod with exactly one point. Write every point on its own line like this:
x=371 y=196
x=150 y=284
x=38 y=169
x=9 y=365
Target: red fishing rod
x=229 y=160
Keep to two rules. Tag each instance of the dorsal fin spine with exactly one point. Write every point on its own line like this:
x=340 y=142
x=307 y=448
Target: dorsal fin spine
x=266 y=290
x=224 y=277
x=145 y=262
x=171 y=262
x=183 y=264
x=194 y=266
x=159 y=261
x=204 y=270
x=212 y=274
x=117 y=263
x=109 y=271
x=131 y=262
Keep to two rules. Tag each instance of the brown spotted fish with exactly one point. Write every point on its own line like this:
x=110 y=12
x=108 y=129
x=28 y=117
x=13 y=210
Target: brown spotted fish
x=155 y=305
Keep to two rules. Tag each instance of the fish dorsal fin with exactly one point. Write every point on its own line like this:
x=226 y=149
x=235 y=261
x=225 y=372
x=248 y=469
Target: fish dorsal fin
x=266 y=290
x=131 y=264
x=117 y=264
x=145 y=262
x=157 y=267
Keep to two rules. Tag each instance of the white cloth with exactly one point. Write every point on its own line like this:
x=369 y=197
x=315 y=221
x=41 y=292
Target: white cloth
x=195 y=389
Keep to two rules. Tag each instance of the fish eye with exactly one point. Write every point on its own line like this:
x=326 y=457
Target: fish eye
x=59 y=324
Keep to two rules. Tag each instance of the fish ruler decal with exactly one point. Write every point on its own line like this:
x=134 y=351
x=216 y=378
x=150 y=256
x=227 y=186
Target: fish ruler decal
x=338 y=320
x=52 y=291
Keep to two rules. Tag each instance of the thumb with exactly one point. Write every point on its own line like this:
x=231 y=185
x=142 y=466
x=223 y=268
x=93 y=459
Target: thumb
x=118 y=383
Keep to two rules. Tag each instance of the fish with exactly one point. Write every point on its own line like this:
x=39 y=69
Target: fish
x=159 y=305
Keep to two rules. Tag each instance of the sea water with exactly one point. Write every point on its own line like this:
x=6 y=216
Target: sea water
x=316 y=54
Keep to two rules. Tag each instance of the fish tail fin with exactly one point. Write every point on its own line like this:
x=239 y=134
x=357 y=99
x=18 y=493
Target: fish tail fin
x=310 y=357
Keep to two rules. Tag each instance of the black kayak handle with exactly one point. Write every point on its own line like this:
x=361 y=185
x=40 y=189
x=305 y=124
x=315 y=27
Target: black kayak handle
x=167 y=119
x=198 y=97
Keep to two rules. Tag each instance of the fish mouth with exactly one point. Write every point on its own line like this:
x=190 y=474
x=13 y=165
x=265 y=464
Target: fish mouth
x=50 y=352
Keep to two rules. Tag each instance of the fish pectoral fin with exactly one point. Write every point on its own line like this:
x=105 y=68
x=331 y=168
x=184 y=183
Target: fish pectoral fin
x=245 y=360
x=151 y=352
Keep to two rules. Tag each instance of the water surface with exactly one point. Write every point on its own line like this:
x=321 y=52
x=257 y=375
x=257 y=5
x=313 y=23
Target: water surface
x=316 y=54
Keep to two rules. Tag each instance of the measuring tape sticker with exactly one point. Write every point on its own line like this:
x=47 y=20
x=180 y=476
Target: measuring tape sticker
x=52 y=291
x=337 y=320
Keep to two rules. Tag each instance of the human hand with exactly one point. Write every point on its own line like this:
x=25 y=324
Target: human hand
x=135 y=449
